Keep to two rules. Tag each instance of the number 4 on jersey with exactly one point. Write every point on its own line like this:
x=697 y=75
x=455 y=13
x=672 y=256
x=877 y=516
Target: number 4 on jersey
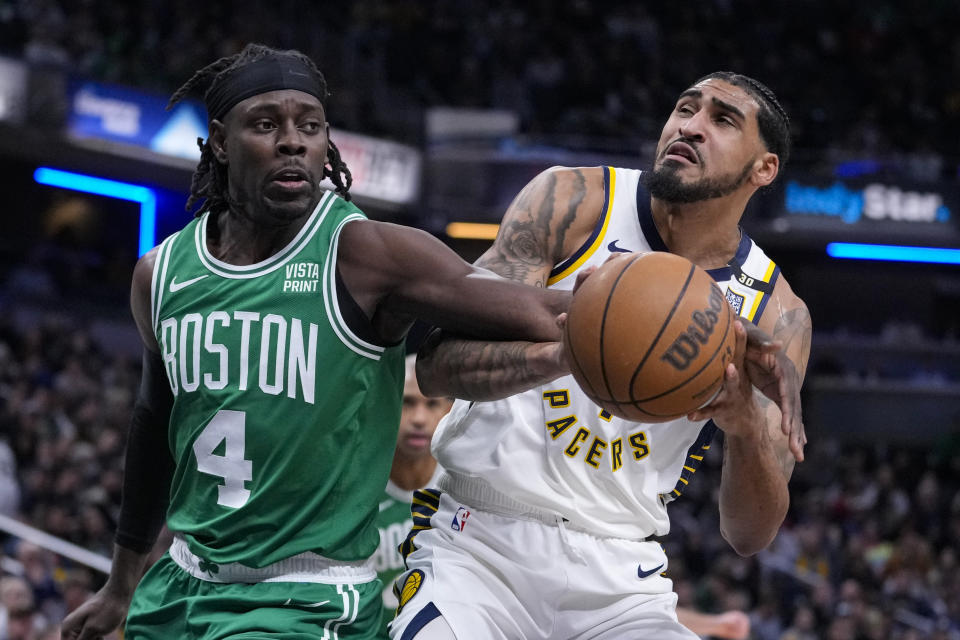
x=229 y=426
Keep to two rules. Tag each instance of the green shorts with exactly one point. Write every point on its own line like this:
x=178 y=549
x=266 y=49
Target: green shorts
x=170 y=603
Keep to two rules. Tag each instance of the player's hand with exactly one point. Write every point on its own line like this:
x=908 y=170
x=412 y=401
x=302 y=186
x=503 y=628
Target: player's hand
x=95 y=618
x=734 y=409
x=555 y=350
x=775 y=376
x=734 y=625
x=582 y=276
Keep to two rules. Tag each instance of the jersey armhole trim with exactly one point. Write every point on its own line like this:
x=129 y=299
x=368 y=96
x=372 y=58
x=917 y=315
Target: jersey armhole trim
x=158 y=280
x=331 y=301
x=773 y=272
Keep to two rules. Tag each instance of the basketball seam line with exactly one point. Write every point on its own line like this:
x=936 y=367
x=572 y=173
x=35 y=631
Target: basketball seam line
x=603 y=322
x=656 y=339
x=576 y=360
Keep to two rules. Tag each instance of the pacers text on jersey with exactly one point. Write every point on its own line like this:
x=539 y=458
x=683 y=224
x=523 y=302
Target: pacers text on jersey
x=273 y=351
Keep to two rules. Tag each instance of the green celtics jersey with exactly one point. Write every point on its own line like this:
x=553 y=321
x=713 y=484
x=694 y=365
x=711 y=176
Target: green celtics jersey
x=394 y=523
x=284 y=419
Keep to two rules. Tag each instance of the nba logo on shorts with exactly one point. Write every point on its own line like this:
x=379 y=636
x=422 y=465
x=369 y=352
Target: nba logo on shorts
x=460 y=519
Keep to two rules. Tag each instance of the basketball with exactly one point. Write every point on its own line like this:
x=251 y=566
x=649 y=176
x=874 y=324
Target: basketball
x=648 y=336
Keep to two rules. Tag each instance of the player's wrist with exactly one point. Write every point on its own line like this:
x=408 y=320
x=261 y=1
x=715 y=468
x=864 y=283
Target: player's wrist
x=548 y=360
x=748 y=429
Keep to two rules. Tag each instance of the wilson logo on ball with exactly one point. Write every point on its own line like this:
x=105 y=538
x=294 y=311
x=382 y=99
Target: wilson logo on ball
x=686 y=347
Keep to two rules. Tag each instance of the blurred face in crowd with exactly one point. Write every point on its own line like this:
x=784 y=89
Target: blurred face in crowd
x=419 y=418
x=274 y=146
x=711 y=146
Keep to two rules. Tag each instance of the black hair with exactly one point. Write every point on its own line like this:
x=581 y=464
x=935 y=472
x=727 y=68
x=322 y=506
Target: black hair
x=772 y=120
x=209 y=183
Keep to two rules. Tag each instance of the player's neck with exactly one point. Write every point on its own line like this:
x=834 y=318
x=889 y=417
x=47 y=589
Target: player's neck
x=707 y=233
x=412 y=474
x=238 y=240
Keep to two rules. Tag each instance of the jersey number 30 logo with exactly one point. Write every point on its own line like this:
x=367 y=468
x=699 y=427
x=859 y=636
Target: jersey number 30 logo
x=229 y=427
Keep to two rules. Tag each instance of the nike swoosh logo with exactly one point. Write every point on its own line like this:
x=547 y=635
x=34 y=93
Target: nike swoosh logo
x=315 y=604
x=614 y=248
x=176 y=286
x=386 y=504
x=646 y=574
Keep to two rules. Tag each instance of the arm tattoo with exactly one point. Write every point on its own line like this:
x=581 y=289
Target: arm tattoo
x=530 y=242
x=525 y=244
x=464 y=364
x=795 y=327
x=576 y=199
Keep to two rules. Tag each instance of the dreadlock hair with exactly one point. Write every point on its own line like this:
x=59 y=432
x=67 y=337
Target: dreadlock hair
x=772 y=120
x=208 y=187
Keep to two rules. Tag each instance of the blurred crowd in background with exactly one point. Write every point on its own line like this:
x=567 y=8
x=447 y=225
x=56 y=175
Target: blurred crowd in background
x=879 y=77
x=870 y=549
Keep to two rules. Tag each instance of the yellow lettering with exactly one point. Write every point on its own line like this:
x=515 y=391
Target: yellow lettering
x=580 y=436
x=616 y=448
x=594 y=453
x=559 y=398
x=556 y=427
x=640 y=447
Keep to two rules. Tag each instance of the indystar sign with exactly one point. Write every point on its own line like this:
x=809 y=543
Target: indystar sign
x=875 y=201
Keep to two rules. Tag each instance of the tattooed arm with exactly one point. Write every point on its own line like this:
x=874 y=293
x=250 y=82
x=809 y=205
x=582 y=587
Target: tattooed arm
x=758 y=455
x=547 y=221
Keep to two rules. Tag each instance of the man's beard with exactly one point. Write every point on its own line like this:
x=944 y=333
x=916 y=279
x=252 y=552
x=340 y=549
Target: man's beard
x=665 y=184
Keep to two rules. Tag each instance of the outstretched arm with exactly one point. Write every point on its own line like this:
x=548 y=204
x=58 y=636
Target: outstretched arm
x=548 y=220
x=733 y=624
x=757 y=456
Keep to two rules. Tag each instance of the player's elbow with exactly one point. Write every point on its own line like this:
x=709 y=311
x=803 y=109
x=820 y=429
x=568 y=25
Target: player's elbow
x=747 y=545
x=750 y=539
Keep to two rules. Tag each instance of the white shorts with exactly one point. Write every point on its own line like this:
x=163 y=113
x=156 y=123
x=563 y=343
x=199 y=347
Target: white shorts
x=512 y=577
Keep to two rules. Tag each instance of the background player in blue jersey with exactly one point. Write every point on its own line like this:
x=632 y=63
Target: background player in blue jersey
x=550 y=480
x=279 y=403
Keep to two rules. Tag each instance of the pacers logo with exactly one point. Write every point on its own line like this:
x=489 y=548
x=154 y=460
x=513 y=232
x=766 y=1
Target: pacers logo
x=410 y=588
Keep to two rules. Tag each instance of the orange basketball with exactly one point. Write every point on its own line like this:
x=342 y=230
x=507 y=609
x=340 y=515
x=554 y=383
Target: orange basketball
x=648 y=336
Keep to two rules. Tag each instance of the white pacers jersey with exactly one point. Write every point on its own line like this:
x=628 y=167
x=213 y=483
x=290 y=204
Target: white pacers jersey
x=553 y=449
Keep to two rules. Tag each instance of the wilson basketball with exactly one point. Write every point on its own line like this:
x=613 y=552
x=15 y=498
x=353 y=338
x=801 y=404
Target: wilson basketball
x=648 y=336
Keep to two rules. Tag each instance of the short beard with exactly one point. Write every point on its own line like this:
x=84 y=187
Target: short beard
x=665 y=184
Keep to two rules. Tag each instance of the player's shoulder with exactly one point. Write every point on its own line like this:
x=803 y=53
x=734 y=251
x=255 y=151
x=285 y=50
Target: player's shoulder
x=565 y=190
x=784 y=294
x=143 y=270
x=586 y=176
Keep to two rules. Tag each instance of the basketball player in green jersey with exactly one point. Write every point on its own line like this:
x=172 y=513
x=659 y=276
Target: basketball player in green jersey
x=273 y=328
x=413 y=468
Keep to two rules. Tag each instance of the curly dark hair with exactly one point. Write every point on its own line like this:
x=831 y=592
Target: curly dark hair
x=772 y=120
x=208 y=187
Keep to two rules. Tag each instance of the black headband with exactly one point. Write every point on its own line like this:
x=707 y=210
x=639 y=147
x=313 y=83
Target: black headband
x=269 y=74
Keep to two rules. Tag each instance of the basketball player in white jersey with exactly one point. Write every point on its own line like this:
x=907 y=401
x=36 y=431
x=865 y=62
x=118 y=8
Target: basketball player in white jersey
x=541 y=525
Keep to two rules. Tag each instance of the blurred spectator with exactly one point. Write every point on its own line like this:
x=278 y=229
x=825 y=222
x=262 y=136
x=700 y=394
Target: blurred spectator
x=19 y=619
x=870 y=79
